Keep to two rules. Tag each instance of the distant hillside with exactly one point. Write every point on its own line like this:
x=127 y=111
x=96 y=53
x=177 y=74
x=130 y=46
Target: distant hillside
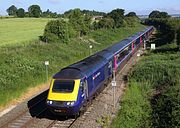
x=146 y=16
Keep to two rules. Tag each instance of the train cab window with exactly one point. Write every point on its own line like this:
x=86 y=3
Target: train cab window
x=63 y=86
x=123 y=54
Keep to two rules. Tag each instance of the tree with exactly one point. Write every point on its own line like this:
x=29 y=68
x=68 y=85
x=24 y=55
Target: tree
x=20 y=13
x=131 y=14
x=79 y=22
x=117 y=15
x=131 y=21
x=12 y=10
x=178 y=38
x=158 y=14
x=164 y=15
x=154 y=14
x=49 y=14
x=34 y=11
x=106 y=23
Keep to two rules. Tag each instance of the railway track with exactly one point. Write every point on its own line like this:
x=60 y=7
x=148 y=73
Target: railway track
x=25 y=118
x=62 y=124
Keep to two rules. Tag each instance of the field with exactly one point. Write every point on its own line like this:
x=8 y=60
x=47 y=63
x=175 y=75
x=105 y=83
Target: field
x=22 y=66
x=17 y=30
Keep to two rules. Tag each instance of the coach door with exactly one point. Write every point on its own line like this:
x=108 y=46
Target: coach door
x=110 y=68
x=86 y=89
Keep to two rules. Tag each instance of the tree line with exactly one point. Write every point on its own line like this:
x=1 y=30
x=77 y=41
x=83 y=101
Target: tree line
x=77 y=24
x=35 y=11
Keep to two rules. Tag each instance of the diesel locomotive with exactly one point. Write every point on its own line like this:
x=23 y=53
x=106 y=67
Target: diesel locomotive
x=76 y=84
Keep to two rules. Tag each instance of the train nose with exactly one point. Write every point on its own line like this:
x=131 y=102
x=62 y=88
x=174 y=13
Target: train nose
x=63 y=107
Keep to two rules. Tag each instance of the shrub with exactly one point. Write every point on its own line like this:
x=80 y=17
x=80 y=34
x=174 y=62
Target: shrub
x=106 y=23
x=131 y=21
x=178 y=37
x=58 y=30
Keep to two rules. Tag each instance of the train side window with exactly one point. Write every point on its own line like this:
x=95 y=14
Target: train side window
x=137 y=42
x=123 y=54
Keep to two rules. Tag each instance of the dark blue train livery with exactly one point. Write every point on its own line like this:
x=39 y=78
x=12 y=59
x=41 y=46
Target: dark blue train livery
x=76 y=84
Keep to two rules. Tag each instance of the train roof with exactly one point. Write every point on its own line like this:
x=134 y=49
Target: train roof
x=119 y=46
x=107 y=54
x=82 y=68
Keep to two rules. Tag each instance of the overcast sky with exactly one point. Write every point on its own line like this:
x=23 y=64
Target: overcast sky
x=59 y=6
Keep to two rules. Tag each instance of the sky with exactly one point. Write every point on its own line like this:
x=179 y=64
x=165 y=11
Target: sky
x=141 y=7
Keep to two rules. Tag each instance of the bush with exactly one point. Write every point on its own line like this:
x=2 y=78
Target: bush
x=105 y=23
x=57 y=31
x=130 y=21
x=178 y=37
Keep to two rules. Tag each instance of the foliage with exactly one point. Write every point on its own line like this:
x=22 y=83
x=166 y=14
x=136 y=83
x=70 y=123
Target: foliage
x=58 y=30
x=105 y=23
x=168 y=27
x=34 y=11
x=20 y=12
x=117 y=15
x=178 y=37
x=12 y=10
x=85 y=12
x=93 y=13
x=50 y=14
x=158 y=14
x=79 y=22
x=131 y=14
x=131 y=21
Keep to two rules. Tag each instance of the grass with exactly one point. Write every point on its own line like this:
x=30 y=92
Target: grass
x=21 y=30
x=22 y=66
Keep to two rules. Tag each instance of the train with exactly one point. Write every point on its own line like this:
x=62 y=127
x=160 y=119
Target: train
x=75 y=85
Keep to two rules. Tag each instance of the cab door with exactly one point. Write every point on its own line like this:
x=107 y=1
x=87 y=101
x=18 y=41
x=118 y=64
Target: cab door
x=84 y=89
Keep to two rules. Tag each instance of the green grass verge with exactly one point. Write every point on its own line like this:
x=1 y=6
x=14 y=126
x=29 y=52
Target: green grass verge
x=152 y=96
x=23 y=66
x=21 y=30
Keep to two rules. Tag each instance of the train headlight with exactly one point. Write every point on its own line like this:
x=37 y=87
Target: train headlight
x=70 y=103
x=49 y=102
